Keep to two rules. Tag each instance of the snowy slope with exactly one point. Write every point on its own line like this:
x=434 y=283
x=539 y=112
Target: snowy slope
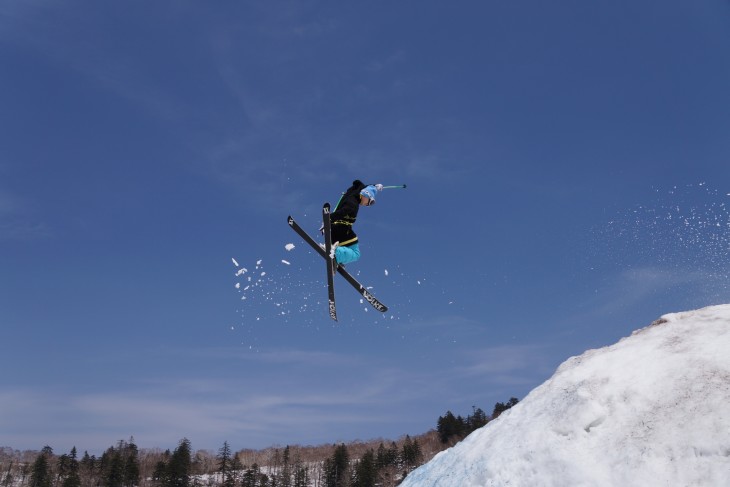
x=651 y=410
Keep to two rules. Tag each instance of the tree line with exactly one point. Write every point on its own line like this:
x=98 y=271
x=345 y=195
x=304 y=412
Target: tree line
x=117 y=467
x=452 y=429
x=386 y=466
x=357 y=464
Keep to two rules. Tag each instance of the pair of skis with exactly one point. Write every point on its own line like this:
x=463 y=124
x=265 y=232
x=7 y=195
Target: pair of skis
x=332 y=266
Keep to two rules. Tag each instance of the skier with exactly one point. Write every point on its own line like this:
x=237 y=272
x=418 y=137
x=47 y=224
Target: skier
x=344 y=239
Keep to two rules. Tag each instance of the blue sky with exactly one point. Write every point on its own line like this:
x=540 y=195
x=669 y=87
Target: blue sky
x=567 y=171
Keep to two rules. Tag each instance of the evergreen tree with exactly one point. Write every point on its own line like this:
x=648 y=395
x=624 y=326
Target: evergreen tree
x=160 y=473
x=449 y=426
x=71 y=477
x=62 y=467
x=112 y=468
x=252 y=477
x=224 y=465
x=387 y=457
x=179 y=466
x=237 y=469
x=411 y=454
x=387 y=463
x=380 y=460
x=476 y=420
x=41 y=471
x=499 y=407
x=336 y=468
x=284 y=476
x=131 y=474
x=366 y=471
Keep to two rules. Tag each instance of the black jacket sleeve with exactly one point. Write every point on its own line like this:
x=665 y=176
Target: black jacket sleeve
x=350 y=203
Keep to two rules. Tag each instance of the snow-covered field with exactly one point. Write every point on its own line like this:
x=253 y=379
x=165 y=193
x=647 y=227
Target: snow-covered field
x=651 y=410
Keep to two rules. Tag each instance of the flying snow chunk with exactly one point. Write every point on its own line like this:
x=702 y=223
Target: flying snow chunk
x=386 y=272
x=234 y=262
x=241 y=271
x=285 y=262
x=289 y=247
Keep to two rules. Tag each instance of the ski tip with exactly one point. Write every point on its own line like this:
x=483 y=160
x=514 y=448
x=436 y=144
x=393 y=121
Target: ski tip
x=326 y=206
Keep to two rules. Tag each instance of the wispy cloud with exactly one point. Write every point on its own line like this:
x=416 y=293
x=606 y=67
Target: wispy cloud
x=634 y=286
x=504 y=360
x=207 y=415
x=302 y=396
x=16 y=222
x=24 y=231
x=8 y=203
x=629 y=290
x=332 y=144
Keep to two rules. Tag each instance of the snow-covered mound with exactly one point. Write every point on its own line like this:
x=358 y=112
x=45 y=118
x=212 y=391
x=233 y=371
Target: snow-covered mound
x=651 y=410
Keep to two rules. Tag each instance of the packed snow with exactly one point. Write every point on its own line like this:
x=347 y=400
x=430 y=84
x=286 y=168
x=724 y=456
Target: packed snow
x=651 y=410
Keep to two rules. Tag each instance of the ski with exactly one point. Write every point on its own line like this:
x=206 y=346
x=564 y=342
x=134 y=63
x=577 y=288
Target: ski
x=348 y=277
x=330 y=260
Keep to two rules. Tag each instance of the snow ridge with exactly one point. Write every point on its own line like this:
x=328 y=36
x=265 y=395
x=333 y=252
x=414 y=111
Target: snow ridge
x=650 y=410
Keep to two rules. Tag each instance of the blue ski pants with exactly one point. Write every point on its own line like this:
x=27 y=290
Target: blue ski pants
x=346 y=255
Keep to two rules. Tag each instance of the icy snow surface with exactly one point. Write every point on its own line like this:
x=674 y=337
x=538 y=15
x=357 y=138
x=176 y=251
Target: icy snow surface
x=651 y=410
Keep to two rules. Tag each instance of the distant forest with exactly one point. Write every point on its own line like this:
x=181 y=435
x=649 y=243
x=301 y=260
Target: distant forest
x=358 y=464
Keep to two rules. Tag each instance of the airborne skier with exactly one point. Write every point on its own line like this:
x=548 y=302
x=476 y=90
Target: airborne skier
x=344 y=238
x=341 y=245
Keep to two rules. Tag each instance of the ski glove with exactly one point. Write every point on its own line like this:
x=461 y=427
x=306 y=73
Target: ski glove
x=379 y=187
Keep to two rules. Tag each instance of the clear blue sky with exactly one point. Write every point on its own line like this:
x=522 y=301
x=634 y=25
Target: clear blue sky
x=568 y=167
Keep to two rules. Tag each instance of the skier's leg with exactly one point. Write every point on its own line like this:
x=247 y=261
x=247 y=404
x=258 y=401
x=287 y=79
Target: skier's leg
x=347 y=254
